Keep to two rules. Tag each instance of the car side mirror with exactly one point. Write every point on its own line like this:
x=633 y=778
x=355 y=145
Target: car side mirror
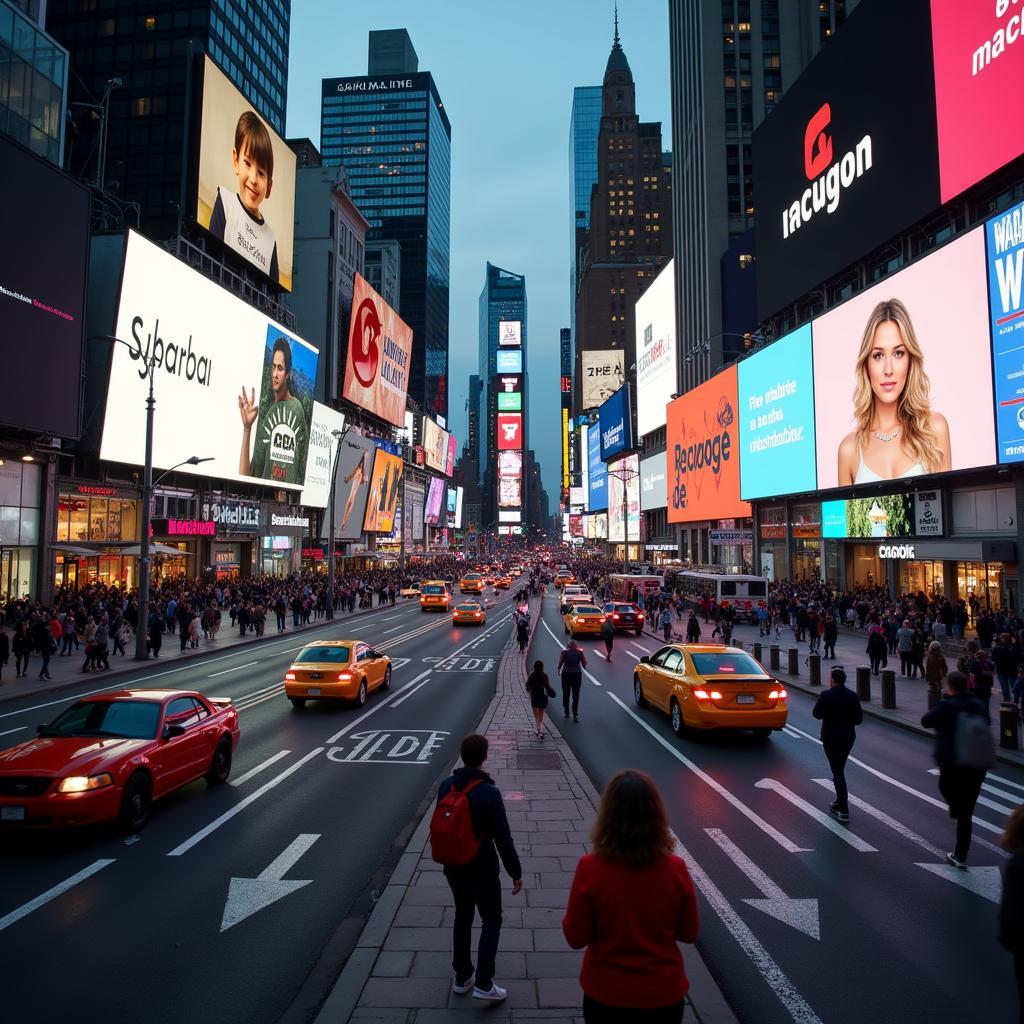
x=173 y=731
x=645 y=660
x=40 y=729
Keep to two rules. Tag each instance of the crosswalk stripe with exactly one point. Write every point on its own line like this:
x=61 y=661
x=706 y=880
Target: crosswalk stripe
x=820 y=816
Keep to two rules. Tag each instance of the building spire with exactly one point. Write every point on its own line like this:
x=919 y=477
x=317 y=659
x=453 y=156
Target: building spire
x=616 y=45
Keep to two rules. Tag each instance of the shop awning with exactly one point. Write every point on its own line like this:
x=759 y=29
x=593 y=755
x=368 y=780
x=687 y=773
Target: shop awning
x=155 y=549
x=71 y=549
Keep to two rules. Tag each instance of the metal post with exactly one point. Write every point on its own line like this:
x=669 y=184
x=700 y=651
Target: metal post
x=142 y=632
x=889 y=688
x=794 y=661
x=864 y=682
x=814 y=664
x=405 y=520
x=332 y=568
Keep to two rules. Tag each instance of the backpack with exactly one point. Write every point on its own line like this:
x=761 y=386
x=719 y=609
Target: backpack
x=452 y=839
x=972 y=742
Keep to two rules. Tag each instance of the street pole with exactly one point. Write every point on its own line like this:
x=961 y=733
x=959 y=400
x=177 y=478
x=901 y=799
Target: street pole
x=332 y=568
x=405 y=520
x=142 y=631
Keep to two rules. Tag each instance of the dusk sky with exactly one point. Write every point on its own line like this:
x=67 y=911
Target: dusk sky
x=505 y=73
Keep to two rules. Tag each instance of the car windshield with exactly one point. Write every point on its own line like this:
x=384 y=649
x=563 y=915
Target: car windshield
x=433 y=588
x=336 y=655
x=469 y=607
x=628 y=609
x=124 y=719
x=587 y=609
x=726 y=664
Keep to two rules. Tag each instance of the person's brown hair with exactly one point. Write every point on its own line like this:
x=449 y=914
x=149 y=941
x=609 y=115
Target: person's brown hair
x=631 y=826
x=473 y=750
x=1013 y=837
x=957 y=681
x=251 y=135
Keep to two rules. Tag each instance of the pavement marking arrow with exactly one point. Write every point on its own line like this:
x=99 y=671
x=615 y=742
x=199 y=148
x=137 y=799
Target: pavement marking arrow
x=801 y=914
x=983 y=881
x=845 y=834
x=248 y=895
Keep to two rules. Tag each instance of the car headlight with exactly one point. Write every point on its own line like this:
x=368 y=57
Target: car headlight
x=85 y=783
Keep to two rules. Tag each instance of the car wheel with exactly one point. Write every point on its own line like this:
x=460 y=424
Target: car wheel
x=762 y=734
x=640 y=632
x=361 y=695
x=638 y=693
x=298 y=702
x=386 y=685
x=220 y=766
x=136 y=802
x=678 y=723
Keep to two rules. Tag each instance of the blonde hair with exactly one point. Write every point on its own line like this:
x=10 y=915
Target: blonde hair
x=914 y=410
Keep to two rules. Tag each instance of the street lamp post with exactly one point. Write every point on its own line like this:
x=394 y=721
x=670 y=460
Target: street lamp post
x=624 y=475
x=332 y=566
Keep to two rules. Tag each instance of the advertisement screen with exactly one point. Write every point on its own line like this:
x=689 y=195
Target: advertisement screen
x=509 y=361
x=848 y=158
x=435 y=445
x=703 y=463
x=776 y=418
x=603 y=375
x=888 y=515
x=320 y=455
x=231 y=385
x=510 y=491
x=903 y=348
x=653 y=483
x=43 y=260
x=510 y=463
x=576 y=497
x=585 y=465
x=355 y=465
x=377 y=364
x=246 y=179
x=435 y=498
x=510 y=403
x=459 y=491
x=510 y=333
x=510 y=517
x=597 y=473
x=385 y=485
x=624 y=473
x=510 y=431
x=1005 y=237
x=450 y=503
x=976 y=69
x=449 y=466
x=656 y=356
x=616 y=425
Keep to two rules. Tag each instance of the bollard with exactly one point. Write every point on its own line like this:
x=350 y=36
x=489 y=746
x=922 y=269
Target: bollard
x=1009 y=727
x=934 y=696
x=757 y=651
x=773 y=658
x=889 y=688
x=794 y=661
x=864 y=682
x=814 y=663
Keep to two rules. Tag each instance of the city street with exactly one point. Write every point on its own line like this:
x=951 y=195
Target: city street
x=265 y=881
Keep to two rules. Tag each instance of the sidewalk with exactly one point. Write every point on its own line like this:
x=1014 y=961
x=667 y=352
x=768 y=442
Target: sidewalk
x=400 y=970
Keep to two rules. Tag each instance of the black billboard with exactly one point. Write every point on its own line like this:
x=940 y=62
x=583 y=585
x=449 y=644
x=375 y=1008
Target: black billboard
x=44 y=225
x=848 y=158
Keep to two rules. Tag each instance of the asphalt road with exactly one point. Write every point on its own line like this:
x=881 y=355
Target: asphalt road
x=804 y=919
x=178 y=923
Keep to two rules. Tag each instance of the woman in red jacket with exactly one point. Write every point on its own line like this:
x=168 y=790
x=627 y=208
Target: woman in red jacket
x=631 y=901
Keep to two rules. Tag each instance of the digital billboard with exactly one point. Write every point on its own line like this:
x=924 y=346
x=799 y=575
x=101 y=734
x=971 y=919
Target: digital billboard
x=703 y=465
x=510 y=431
x=1005 y=248
x=377 y=363
x=653 y=483
x=776 y=418
x=597 y=473
x=510 y=403
x=459 y=492
x=510 y=333
x=231 y=385
x=43 y=261
x=385 y=485
x=510 y=463
x=510 y=492
x=615 y=421
x=887 y=515
x=603 y=375
x=624 y=474
x=355 y=468
x=509 y=360
x=450 y=507
x=435 y=498
x=435 y=445
x=585 y=464
x=565 y=449
x=449 y=466
x=656 y=356
x=510 y=517
x=246 y=194
x=320 y=454
x=908 y=350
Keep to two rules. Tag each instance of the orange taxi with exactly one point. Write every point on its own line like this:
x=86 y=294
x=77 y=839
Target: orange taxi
x=471 y=583
x=502 y=583
x=562 y=577
x=434 y=596
x=583 y=618
x=336 y=670
x=468 y=613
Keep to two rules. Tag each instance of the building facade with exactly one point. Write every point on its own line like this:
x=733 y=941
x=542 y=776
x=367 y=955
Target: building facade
x=584 y=127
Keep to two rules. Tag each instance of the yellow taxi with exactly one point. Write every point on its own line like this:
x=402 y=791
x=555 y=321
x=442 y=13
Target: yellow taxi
x=562 y=577
x=707 y=686
x=468 y=613
x=502 y=583
x=336 y=670
x=434 y=596
x=583 y=618
x=471 y=583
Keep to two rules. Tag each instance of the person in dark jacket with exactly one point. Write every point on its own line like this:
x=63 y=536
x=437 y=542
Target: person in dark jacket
x=608 y=636
x=571 y=663
x=22 y=647
x=1011 y=908
x=5 y=648
x=477 y=885
x=693 y=628
x=156 y=631
x=839 y=712
x=876 y=650
x=538 y=686
x=830 y=636
x=959 y=785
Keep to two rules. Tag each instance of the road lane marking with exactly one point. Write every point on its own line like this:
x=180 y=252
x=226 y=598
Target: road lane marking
x=389 y=618
x=394 y=629
x=1005 y=782
x=833 y=826
x=51 y=894
x=376 y=707
x=242 y=779
x=632 y=655
x=982 y=881
x=248 y=895
x=560 y=644
x=408 y=693
x=764 y=826
x=8 y=732
x=227 y=671
x=257 y=693
x=987 y=787
x=273 y=695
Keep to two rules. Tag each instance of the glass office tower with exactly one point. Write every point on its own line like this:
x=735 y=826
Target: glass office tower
x=584 y=127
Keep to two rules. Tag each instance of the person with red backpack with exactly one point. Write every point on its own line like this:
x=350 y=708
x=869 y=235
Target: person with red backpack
x=468 y=831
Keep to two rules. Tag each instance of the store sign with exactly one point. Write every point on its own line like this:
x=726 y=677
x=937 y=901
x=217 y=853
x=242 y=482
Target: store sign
x=928 y=513
x=656 y=357
x=509 y=531
x=896 y=551
x=773 y=531
x=732 y=537
x=317 y=553
x=510 y=333
x=99 y=492
x=510 y=516
x=289 y=520
x=234 y=514
x=183 y=528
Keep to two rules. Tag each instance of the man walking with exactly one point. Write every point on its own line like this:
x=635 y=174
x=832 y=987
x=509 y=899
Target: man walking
x=571 y=663
x=665 y=621
x=608 y=636
x=476 y=886
x=839 y=712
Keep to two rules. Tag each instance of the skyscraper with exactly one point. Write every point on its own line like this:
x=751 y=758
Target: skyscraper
x=584 y=126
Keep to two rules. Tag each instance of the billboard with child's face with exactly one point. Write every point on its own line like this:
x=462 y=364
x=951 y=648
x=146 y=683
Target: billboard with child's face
x=246 y=194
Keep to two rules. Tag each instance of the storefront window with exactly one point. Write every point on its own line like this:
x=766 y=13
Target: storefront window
x=807 y=559
x=78 y=512
x=983 y=580
x=17 y=573
x=863 y=566
x=922 y=576
x=102 y=520
x=98 y=519
x=130 y=520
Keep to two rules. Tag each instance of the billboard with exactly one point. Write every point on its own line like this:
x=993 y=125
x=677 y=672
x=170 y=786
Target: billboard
x=435 y=445
x=246 y=194
x=385 y=485
x=624 y=474
x=509 y=361
x=776 y=418
x=510 y=333
x=912 y=347
x=597 y=473
x=459 y=492
x=565 y=449
x=616 y=424
x=449 y=466
x=355 y=465
x=887 y=515
x=603 y=375
x=703 y=465
x=43 y=263
x=653 y=483
x=450 y=507
x=377 y=363
x=320 y=455
x=656 y=355
x=435 y=497
x=510 y=492
x=510 y=517
x=510 y=403
x=510 y=463
x=585 y=464
x=1005 y=237
x=231 y=384
x=510 y=431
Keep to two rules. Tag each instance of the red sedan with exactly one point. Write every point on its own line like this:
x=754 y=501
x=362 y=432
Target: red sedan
x=111 y=755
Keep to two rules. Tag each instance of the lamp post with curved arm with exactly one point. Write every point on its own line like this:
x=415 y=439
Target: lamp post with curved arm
x=332 y=566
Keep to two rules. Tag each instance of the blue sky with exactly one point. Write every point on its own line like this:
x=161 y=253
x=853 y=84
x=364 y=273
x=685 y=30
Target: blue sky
x=505 y=72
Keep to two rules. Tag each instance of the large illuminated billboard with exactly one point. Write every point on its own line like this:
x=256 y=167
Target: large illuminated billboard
x=320 y=455
x=886 y=515
x=653 y=483
x=597 y=473
x=603 y=375
x=510 y=333
x=385 y=485
x=656 y=357
x=509 y=360
x=246 y=194
x=451 y=506
x=624 y=474
x=510 y=491
x=510 y=463
x=231 y=385
x=435 y=445
x=352 y=484
x=510 y=431
x=615 y=421
x=1005 y=238
x=459 y=492
x=435 y=499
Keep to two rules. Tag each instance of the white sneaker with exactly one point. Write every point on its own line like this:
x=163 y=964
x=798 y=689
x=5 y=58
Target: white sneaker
x=495 y=994
x=461 y=990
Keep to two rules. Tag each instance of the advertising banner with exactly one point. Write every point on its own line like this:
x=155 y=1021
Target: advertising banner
x=435 y=498
x=624 y=474
x=653 y=483
x=565 y=449
x=892 y=370
x=246 y=194
x=510 y=492
x=656 y=356
x=776 y=418
x=459 y=492
x=510 y=403
x=510 y=463
x=320 y=455
x=616 y=425
x=449 y=467
x=355 y=464
x=603 y=375
x=731 y=538
x=435 y=445
x=450 y=507
x=585 y=465
x=887 y=515
x=576 y=497
x=385 y=485
x=377 y=364
x=597 y=473
x=928 y=513
x=510 y=517
x=509 y=361
x=510 y=333
x=703 y=465
x=231 y=385
x=510 y=431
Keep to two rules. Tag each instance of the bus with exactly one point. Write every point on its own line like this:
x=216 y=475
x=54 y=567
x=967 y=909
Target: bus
x=742 y=593
x=625 y=587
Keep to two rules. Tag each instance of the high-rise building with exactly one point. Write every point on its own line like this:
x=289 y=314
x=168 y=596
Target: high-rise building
x=731 y=60
x=584 y=127
x=135 y=59
x=390 y=52
x=392 y=134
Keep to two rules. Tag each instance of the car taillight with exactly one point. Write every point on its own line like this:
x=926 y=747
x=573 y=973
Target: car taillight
x=707 y=695
x=777 y=695
x=615 y=617
x=289 y=675
x=639 y=615
x=344 y=677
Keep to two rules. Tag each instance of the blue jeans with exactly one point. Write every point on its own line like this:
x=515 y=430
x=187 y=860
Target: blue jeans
x=475 y=894
x=1006 y=684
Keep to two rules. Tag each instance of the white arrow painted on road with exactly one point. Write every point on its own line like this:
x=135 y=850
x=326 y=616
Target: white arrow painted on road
x=248 y=895
x=983 y=881
x=845 y=834
x=801 y=914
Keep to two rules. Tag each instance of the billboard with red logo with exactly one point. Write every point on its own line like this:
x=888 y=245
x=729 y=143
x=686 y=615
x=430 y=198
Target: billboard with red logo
x=510 y=431
x=377 y=365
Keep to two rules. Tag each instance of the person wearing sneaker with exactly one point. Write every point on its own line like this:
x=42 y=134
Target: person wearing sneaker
x=477 y=885
x=539 y=689
x=631 y=902
x=839 y=711
x=571 y=663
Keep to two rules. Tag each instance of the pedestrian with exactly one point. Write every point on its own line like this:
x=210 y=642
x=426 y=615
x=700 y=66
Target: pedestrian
x=935 y=670
x=693 y=628
x=155 y=634
x=631 y=902
x=876 y=650
x=1011 y=907
x=905 y=647
x=42 y=637
x=980 y=673
x=963 y=752
x=476 y=882
x=608 y=636
x=195 y=630
x=829 y=637
x=1005 y=657
x=665 y=621
x=539 y=688
x=5 y=648
x=571 y=663
x=522 y=633
x=100 y=640
x=67 y=635
x=89 y=639
x=839 y=711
